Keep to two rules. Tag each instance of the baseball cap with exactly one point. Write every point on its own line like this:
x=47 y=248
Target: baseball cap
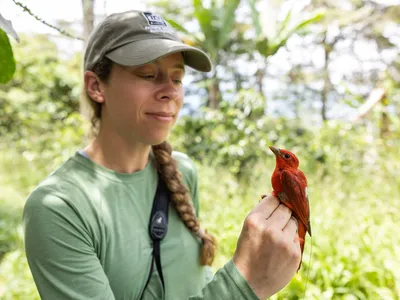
x=134 y=38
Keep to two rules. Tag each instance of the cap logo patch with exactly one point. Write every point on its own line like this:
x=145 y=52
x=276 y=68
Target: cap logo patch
x=154 y=19
x=156 y=23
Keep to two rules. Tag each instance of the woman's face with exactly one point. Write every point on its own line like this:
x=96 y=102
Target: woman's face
x=141 y=104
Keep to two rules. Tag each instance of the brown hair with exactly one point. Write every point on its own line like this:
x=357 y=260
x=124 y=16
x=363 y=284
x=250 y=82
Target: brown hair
x=166 y=165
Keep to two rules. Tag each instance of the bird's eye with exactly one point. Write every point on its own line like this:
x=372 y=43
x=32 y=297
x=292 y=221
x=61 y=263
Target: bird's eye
x=287 y=156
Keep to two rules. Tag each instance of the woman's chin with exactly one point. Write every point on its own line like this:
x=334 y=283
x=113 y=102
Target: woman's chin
x=156 y=140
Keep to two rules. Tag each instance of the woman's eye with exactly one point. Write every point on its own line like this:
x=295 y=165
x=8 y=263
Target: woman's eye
x=148 y=76
x=177 y=81
x=287 y=156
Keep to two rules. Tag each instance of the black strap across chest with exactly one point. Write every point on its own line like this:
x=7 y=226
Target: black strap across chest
x=158 y=227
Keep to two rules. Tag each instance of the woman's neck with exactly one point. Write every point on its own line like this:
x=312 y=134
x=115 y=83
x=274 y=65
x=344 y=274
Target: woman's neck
x=113 y=152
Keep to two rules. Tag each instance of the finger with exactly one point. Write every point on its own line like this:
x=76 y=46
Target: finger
x=280 y=217
x=291 y=229
x=266 y=207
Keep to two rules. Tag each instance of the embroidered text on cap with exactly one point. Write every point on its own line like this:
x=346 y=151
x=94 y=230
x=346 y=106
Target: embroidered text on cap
x=154 y=19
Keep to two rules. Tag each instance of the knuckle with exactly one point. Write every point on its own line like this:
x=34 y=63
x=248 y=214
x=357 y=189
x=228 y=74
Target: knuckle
x=288 y=249
x=295 y=254
x=252 y=223
x=271 y=234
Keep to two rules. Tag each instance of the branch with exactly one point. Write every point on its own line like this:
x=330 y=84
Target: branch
x=45 y=23
x=376 y=96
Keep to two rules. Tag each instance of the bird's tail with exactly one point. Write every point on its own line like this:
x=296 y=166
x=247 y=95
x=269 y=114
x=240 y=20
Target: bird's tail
x=302 y=238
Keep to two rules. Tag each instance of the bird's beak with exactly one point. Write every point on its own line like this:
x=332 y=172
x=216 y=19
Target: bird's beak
x=276 y=151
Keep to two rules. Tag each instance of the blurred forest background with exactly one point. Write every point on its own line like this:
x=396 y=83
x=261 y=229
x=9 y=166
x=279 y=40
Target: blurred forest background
x=318 y=77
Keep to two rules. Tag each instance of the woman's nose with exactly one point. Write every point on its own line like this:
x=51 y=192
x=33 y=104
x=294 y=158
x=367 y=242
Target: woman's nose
x=167 y=91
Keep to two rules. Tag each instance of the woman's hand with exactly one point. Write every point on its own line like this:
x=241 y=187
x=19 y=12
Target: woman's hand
x=268 y=251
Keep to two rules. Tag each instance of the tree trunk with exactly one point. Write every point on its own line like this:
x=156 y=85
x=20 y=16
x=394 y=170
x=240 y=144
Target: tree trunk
x=260 y=74
x=327 y=81
x=376 y=96
x=214 y=94
x=385 y=124
x=88 y=18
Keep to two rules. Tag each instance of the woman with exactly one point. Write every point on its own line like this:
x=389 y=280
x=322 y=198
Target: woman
x=86 y=225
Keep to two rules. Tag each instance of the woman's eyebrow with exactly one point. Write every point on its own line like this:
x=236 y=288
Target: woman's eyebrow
x=179 y=66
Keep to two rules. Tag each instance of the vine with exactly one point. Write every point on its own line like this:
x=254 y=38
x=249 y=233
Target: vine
x=62 y=31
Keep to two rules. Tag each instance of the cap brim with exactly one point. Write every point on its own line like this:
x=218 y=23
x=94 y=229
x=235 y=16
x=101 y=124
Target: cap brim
x=145 y=51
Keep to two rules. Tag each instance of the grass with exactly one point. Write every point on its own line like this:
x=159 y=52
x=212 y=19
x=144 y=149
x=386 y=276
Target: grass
x=355 y=244
x=16 y=282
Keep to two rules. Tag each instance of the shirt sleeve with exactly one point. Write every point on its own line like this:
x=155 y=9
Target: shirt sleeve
x=60 y=251
x=227 y=284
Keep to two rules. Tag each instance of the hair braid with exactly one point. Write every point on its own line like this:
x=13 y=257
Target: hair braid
x=181 y=199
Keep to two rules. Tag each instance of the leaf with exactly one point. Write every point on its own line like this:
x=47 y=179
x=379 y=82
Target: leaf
x=256 y=17
x=228 y=21
x=317 y=17
x=262 y=46
x=182 y=29
x=7 y=61
x=283 y=36
x=177 y=26
x=285 y=23
x=6 y=26
x=204 y=16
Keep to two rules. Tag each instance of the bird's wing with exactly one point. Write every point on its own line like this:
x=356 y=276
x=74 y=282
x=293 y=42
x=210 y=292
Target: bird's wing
x=294 y=193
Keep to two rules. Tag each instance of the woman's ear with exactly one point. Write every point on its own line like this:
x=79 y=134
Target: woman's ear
x=93 y=86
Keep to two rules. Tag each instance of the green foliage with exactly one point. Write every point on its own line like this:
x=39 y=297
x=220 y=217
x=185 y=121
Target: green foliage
x=237 y=136
x=17 y=180
x=40 y=127
x=7 y=61
x=216 y=23
x=269 y=45
x=40 y=105
x=9 y=221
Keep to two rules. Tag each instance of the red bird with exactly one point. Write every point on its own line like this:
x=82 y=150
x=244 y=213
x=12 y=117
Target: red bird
x=290 y=186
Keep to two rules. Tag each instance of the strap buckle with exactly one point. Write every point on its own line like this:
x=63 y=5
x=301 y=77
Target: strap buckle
x=158 y=225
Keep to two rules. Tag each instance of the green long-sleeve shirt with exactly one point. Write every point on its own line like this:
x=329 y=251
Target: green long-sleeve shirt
x=86 y=237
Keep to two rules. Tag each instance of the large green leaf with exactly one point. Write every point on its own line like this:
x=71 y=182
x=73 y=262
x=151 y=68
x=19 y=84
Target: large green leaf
x=228 y=21
x=204 y=16
x=315 y=18
x=255 y=15
x=285 y=34
x=182 y=29
x=7 y=61
x=283 y=26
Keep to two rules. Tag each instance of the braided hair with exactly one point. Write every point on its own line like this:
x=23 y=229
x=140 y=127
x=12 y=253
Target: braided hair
x=181 y=200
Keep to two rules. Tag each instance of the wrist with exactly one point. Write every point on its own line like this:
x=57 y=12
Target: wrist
x=260 y=287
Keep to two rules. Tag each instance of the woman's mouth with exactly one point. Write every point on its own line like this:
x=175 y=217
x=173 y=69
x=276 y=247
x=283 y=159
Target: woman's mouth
x=162 y=116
